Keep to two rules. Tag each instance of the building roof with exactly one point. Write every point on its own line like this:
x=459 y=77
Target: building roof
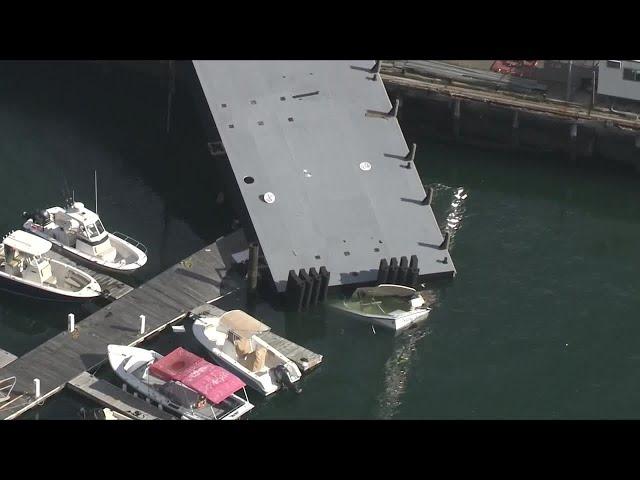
x=27 y=243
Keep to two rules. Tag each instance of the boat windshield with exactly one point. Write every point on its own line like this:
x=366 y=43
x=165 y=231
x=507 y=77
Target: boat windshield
x=95 y=229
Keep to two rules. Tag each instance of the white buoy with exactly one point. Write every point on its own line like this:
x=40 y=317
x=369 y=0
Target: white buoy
x=72 y=322
x=36 y=385
x=142 y=323
x=178 y=328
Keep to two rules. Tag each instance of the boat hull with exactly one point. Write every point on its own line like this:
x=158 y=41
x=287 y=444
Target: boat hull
x=118 y=354
x=9 y=285
x=72 y=254
x=86 y=259
x=392 y=323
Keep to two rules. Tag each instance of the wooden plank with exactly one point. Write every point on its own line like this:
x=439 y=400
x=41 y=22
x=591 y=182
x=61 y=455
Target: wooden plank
x=304 y=358
x=6 y=358
x=115 y=398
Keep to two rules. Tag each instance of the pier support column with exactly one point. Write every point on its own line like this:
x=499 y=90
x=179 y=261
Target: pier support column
x=456 y=118
x=515 y=129
x=36 y=387
x=252 y=275
x=573 y=136
x=142 y=324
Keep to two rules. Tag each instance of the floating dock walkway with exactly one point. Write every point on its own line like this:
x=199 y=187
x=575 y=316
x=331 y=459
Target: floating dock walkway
x=203 y=277
x=116 y=399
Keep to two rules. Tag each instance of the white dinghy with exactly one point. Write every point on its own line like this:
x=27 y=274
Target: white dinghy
x=390 y=306
x=77 y=231
x=234 y=341
x=181 y=382
x=25 y=270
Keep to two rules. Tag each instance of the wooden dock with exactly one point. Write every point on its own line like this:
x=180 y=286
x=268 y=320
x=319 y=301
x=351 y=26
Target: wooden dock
x=303 y=357
x=112 y=288
x=517 y=101
x=116 y=399
x=6 y=358
x=165 y=299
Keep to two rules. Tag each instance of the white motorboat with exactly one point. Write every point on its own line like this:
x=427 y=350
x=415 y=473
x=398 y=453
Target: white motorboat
x=390 y=306
x=234 y=341
x=77 y=231
x=25 y=270
x=181 y=382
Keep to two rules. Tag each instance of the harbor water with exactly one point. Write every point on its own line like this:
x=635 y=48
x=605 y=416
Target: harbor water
x=539 y=323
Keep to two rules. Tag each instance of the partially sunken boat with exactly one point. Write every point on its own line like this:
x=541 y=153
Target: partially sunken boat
x=181 y=382
x=233 y=340
x=390 y=306
x=25 y=270
x=79 y=233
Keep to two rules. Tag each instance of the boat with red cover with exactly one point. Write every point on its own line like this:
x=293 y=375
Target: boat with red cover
x=181 y=382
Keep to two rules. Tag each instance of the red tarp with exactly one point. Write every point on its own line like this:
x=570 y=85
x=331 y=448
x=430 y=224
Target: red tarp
x=214 y=382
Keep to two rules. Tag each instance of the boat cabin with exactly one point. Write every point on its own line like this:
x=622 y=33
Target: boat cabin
x=22 y=256
x=82 y=229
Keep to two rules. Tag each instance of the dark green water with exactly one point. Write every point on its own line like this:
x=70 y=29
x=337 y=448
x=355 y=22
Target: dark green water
x=540 y=321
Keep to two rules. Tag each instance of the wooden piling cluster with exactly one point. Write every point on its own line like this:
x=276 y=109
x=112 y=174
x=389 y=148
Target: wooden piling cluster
x=307 y=289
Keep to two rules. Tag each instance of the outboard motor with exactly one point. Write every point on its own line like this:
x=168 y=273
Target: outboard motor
x=284 y=380
x=39 y=217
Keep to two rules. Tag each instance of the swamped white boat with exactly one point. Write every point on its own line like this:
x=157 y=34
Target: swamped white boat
x=234 y=341
x=77 y=231
x=25 y=270
x=181 y=382
x=390 y=306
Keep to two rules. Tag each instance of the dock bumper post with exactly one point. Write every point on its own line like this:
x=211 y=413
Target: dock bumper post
x=403 y=269
x=393 y=113
x=411 y=156
x=325 y=276
x=393 y=270
x=414 y=272
x=316 y=284
x=36 y=387
x=142 y=324
x=445 y=243
x=252 y=276
x=429 y=197
x=308 y=282
x=294 y=291
x=383 y=271
x=71 y=322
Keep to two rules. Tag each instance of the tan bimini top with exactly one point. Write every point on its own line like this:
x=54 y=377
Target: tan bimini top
x=27 y=243
x=242 y=324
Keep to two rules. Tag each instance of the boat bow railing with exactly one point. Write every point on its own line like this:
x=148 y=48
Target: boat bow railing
x=131 y=240
x=6 y=387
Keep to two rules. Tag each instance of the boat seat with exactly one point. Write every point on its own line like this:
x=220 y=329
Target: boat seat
x=51 y=280
x=217 y=337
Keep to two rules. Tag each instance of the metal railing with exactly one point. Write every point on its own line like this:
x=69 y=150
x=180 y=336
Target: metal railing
x=131 y=240
x=6 y=387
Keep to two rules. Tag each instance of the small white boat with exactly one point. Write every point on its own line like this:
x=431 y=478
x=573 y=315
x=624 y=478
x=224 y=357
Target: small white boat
x=234 y=341
x=181 y=382
x=25 y=270
x=390 y=306
x=77 y=231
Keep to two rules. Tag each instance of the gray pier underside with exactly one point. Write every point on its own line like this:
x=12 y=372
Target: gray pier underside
x=300 y=130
